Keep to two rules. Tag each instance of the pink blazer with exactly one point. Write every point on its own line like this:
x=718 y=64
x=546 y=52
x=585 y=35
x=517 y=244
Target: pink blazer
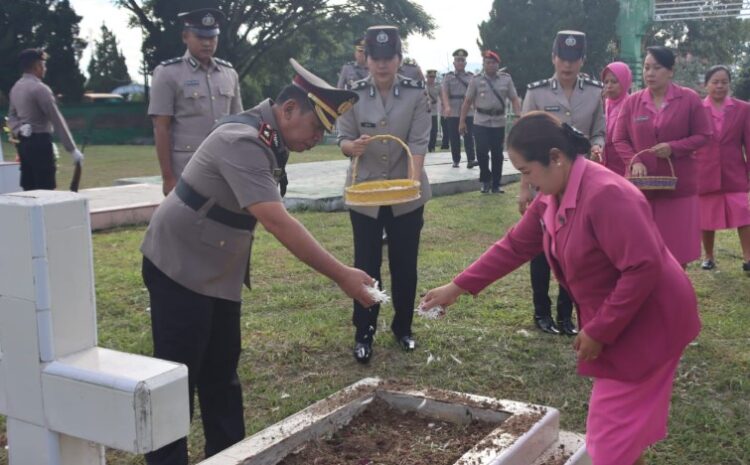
x=722 y=165
x=682 y=123
x=630 y=292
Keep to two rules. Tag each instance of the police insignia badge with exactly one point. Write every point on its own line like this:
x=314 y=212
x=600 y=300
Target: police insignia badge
x=266 y=134
x=208 y=20
x=382 y=38
x=570 y=41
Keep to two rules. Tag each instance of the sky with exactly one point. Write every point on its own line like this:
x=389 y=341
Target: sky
x=456 y=28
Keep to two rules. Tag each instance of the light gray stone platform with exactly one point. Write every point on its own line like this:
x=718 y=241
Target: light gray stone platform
x=316 y=186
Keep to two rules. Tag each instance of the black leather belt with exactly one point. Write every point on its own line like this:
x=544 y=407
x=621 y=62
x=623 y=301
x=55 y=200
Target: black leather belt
x=490 y=112
x=195 y=200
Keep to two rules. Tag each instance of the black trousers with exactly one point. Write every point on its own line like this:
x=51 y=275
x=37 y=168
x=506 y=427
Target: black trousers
x=433 y=134
x=37 y=162
x=455 y=138
x=203 y=333
x=403 y=249
x=540 y=276
x=490 y=140
x=444 y=128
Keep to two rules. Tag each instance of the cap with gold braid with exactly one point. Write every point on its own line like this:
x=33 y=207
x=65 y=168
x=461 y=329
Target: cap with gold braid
x=359 y=44
x=329 y=102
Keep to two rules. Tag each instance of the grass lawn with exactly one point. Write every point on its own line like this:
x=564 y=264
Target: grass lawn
x=297 y=333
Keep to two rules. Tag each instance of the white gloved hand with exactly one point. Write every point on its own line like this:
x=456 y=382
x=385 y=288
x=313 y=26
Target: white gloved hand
x=24 y=130
x=77 y=156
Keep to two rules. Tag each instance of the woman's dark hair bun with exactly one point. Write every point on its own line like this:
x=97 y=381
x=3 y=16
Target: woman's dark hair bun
x=578 y=141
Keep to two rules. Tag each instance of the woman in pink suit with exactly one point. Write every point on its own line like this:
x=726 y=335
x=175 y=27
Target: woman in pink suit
x=723 y=168
x=636 y=305
x=669 y=123
x=617 y=79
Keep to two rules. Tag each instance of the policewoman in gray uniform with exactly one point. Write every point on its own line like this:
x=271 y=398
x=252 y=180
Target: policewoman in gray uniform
x=197 y=247
x=433 y=95
x=190 y=93
x=33 y=116
x=577 y=100
x=453 y=90
x=488 y=93
x=354 y=70
x=395 y=105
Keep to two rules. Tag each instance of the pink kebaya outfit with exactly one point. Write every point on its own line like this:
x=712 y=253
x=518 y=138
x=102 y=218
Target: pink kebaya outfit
x=683 y=124
x=630 y=292
x=621 y=71
x=723 y=168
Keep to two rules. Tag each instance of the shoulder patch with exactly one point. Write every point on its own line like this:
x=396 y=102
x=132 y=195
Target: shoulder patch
x=223 y=62
x=593 y=82
x=412 y=83
x=171 y=61
x=449 y=73
x=537 y=84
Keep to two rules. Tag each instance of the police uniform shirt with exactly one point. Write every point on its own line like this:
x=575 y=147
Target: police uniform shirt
x=481 y=95
x=32 y=102
x=456 y=84
x=351 y=72
x=233 y=167
x=404 y=114
x=433 y=95
x=195 y=97
x=583 y=111
x=411 y=71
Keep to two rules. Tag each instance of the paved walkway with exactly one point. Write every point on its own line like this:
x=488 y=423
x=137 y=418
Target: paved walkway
x=314 y=186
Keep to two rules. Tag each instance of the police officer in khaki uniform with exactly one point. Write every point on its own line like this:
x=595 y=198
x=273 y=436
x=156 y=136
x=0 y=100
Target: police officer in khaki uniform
x=32 y=118
x=433 y=95
x=576 y=100
x=410 y=69
x=395 y=105
x=197 y=247
x=454 y=87
x=488 y=93
x=190 y=93
x=354 y=70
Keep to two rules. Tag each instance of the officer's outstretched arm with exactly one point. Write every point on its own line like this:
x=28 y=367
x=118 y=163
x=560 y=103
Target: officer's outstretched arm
x=298 y=240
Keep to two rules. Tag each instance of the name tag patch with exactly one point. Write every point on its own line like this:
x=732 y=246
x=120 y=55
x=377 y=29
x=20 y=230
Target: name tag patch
x=641 y=118
x=367 y=125
x=192 y=82
x=552 y=108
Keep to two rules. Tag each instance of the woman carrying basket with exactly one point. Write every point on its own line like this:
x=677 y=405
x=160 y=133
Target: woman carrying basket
x=657 y=133
x=389 y=105
x=723 y=167
x=637 y=308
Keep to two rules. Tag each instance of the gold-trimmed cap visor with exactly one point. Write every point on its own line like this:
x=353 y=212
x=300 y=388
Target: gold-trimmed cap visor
x=328 y=102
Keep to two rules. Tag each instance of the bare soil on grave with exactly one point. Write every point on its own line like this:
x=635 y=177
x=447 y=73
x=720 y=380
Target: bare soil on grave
x=382 y=435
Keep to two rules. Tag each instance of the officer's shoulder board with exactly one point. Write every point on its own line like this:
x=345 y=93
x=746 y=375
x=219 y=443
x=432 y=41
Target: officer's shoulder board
x=223 y=62
x=406 y=82
x=449 y=73
x=171 y=61
x=593 y=82
x=359 y=85
x=538 y=84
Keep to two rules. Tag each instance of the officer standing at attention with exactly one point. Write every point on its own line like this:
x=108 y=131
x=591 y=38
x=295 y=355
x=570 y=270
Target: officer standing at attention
x=32 y=117
x=577 y=100
x=388 y=104
x=190 y=93
x=197 y=247
x=453 y=90
x=354 y=70
x=433 y=94
x=487 y=93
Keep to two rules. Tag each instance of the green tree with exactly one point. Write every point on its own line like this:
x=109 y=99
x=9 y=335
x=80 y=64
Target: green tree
x=742 y=81
x=49 y=24
x=107 y=68
x=255 y=28
x=522 y=32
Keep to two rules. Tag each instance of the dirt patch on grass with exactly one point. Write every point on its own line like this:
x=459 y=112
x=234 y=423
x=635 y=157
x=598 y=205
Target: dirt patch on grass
x=383 y=435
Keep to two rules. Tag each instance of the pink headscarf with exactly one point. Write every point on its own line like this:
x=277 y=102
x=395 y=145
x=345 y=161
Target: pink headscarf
x=625 y=78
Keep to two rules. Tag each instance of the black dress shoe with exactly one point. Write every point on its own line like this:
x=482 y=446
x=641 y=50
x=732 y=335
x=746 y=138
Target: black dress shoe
x=497 y=190
x=472 y=164
x=708 y=264
x=567 y=327
x=455 y=165
x=546 y=324
x=485 y=188
x=362 y=352
x=407 y=343
x=746 y=268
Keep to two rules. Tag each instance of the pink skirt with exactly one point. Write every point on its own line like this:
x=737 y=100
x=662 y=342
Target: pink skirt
x=678 y=220
x=626 y=417
x=724 y=210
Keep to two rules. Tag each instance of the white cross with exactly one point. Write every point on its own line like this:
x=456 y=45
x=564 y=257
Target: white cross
x=65 y=398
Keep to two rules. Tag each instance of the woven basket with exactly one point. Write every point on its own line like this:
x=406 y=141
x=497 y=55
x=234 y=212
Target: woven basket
x=383 y=192
x=653 y=183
